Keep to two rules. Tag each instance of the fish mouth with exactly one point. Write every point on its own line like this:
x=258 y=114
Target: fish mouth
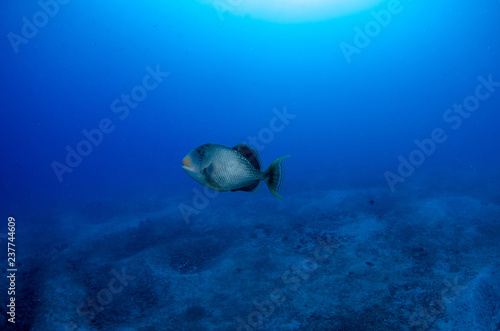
x=187 y=169
x=187 y=165
x=187 y=162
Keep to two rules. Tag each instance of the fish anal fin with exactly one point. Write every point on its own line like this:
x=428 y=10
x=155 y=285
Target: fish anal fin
x=252 y=188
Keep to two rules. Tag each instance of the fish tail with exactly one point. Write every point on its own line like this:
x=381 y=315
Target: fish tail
x=274 y=176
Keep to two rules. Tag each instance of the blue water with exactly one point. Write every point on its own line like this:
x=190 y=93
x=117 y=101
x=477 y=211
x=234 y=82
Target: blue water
x=391 y=121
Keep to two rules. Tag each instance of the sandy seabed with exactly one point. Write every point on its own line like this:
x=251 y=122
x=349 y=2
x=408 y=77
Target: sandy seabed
x=321 y=260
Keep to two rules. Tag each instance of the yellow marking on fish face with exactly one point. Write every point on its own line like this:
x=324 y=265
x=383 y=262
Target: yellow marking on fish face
x=187 y=162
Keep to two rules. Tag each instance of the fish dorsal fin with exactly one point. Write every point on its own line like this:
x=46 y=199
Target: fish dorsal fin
x=250 y=154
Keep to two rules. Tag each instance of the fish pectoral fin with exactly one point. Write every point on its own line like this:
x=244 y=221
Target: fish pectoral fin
x=252 y=188
x=209 y=171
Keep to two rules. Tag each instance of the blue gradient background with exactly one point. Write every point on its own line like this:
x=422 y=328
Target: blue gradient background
x=226 y=76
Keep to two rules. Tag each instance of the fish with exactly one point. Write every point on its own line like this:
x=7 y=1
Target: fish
x=237 y=168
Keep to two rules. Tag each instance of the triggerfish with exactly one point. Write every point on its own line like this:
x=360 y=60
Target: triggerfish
x=224 y=168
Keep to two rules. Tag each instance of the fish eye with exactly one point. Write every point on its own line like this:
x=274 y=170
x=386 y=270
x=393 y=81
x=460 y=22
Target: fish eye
x=201 y=152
